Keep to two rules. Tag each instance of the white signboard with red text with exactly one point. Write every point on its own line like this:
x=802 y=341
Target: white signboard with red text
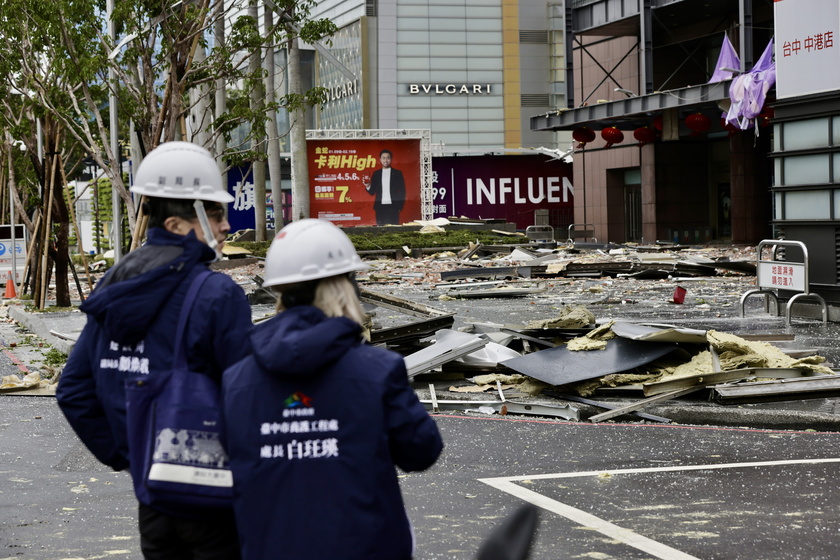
x=807 y=46
x=781 y=276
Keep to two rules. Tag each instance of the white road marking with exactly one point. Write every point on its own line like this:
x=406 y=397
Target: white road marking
x=630 y=538
x=582 y=474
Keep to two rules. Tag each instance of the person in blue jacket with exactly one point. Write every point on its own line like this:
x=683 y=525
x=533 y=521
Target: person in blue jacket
x=130 y=331
x=316 y=419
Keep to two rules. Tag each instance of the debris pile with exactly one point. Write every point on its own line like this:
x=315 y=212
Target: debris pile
x=32 y=380
x=572 y=346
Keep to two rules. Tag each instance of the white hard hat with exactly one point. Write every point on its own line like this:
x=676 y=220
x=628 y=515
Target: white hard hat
x=309 y=250
x=180 y=170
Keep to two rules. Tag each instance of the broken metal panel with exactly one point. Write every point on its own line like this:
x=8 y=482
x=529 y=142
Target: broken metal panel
x=504 y=407
x=714 y=378
x=560 y=366
x=490 y=272
x=507 y=289
x=607 y=406
x=635 y=331
x=469 y=285
x=533 y=339
x=554 y=411
x=641 y=404
x=781 y=390
x=414 y=331
x=399 y=304
x=450 y=345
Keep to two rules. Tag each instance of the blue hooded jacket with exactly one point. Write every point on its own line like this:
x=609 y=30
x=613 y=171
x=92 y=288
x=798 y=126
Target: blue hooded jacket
x=130 y=331
x=315 y=422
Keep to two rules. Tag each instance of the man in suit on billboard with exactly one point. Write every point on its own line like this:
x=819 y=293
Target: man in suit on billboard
x=388 y=186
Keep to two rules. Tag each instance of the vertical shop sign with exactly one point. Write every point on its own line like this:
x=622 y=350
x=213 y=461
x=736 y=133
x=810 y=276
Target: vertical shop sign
x=807 y=46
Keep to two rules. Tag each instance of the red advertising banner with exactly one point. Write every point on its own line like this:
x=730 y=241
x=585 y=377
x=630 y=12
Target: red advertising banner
x=362 y=182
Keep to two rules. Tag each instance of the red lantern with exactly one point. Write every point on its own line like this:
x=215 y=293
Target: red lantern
x=644 y=134
x=583 y=135
x=612 y=136
x=698 y=123
x=657 y=122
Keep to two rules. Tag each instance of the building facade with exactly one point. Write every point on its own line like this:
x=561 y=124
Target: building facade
x=473 y=72
x=658 y=162
x=806 y=140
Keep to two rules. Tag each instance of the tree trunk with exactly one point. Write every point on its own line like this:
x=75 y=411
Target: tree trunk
x=300 y=166
x=274 y=168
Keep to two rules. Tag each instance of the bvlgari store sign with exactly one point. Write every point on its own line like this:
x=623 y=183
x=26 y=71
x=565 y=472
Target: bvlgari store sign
x=449 y=89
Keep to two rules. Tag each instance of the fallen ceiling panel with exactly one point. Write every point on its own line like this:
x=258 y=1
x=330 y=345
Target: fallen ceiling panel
x=713 y=378
x=491 y=272
x=559 y=366
x=414 y=331
x=450 y=345
x=781 y=390
x=650 y=333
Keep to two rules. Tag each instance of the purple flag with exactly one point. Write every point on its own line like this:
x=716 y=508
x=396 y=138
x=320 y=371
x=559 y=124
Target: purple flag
x=728 y=59
x=749 y=91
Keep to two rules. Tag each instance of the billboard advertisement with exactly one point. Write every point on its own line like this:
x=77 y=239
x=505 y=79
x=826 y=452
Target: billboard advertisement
x=807 y=47
x=506 y=187
x=364 y=181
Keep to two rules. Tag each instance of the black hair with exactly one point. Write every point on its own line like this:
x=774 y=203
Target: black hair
x=159 y=209
x=303 y=293
x=299 y=294
x=386 y=152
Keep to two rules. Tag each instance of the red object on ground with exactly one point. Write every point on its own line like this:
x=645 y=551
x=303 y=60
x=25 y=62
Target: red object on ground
x=11 y=293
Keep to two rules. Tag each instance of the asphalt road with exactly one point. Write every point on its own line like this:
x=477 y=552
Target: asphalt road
x=607 y=491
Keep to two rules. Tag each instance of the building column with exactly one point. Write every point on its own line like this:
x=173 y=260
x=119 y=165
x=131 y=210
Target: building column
x=647 y=156
x=749 y=183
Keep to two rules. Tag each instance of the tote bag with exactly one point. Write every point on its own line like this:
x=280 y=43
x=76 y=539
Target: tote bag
x=174 y=432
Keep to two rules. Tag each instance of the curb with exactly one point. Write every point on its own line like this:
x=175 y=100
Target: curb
x=38 y=327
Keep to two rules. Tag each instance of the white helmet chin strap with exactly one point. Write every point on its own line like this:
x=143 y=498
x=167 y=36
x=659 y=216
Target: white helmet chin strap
x=209 y=238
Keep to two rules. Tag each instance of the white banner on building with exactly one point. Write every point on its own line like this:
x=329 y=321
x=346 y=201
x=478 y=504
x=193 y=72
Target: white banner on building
x=807 y=46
